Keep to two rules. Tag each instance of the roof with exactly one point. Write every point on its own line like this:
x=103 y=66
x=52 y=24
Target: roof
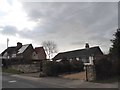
x=78 y=53
x=39 y=49
x=9 y=50
x=23 y=48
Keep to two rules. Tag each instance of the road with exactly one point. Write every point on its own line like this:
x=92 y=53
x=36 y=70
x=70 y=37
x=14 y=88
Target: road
x=18 y=81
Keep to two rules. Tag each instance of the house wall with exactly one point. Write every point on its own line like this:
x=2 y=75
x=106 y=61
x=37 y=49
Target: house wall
x=5 y=56
x=98 y=54
x=27 y=54
x=41 y=55
x=34 y=56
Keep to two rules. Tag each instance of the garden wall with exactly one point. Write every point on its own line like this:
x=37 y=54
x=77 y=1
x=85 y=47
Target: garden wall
x=27 y=68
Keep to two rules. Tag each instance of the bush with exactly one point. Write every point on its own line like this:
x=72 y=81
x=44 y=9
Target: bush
x=77 y=66
x=65 y=66
x=73 y=66
x=51 y=68
x=103 y=68
x=115 y=67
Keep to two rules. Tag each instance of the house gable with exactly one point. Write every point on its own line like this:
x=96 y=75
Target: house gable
x=26 y=51
x=39 y=53
x=8 y=52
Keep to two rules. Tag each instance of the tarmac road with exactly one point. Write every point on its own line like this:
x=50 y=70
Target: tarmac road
x=19 y=81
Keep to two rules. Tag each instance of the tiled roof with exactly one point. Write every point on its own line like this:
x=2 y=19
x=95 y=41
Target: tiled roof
x=12 y=50
x=23 y=48
x=9 y=50
x=78 y=53
x=39 y=49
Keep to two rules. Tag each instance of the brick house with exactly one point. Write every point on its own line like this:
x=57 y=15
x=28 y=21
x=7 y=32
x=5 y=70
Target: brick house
x=22 y=53
x=39 y=54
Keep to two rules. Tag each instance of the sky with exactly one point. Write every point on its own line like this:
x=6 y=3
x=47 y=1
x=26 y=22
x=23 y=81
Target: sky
x=69 y=24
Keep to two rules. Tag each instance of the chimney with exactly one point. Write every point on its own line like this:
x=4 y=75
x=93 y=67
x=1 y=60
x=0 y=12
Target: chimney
x=19 y=45
x=87 y=45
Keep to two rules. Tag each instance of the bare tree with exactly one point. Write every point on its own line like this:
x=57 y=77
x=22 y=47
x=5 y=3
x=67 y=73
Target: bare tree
x=50 y=48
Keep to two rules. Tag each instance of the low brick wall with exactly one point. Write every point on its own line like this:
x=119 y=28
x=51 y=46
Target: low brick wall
x=28 y=68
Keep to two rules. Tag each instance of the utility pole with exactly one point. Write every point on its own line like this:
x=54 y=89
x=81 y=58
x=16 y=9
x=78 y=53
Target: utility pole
x=7 y=54
x=7 y=42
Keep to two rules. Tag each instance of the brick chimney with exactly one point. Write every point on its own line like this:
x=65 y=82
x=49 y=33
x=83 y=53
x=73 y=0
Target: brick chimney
x=19 y=45
x=87 y=45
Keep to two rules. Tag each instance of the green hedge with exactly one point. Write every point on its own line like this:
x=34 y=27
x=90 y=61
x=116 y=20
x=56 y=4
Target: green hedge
x=103 y=68
x=52 y=68
x=77 y=66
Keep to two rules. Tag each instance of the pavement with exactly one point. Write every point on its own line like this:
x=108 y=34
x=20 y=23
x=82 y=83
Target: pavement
x=23 y=81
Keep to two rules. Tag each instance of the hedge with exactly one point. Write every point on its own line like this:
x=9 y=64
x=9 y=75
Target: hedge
x=103 y=68
x=52 y=68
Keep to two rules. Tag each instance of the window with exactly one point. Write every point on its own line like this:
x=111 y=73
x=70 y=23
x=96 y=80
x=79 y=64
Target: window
x=77 y=59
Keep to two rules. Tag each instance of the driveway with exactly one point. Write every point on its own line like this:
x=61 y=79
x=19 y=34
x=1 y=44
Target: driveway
x=20 y=81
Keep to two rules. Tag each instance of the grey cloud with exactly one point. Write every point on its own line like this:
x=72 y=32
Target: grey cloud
x=87 y=12
x=9 y=30
x=72 y=23
x=78 y=43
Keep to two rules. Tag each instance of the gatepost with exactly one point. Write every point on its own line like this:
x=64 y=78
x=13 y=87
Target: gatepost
x=90 y=72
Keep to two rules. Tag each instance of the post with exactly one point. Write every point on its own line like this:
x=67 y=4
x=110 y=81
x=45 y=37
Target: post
x=86 y=73
x=7 y=42
x=41 y=68
x=7 y=54
x=40 y=65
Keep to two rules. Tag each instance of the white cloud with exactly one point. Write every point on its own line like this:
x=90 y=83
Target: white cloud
x=15 y=15
x=13 y=19
x=4 y=6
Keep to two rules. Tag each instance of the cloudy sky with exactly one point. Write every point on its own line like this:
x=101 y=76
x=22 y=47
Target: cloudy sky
x=69 y=24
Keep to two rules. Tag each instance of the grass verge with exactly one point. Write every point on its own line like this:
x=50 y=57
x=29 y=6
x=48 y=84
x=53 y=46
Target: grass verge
x=109 y=80
x=10 y=70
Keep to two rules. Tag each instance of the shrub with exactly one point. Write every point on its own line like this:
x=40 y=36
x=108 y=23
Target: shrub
x=115 y=66
x=51 y=68
x=77 y=66
x=103 y=68
x=65 y=66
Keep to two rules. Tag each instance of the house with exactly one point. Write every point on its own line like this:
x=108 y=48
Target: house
x=86 y=55
x=23 y=53
x=39 y=54
x=19 y=52
x=6 y=54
